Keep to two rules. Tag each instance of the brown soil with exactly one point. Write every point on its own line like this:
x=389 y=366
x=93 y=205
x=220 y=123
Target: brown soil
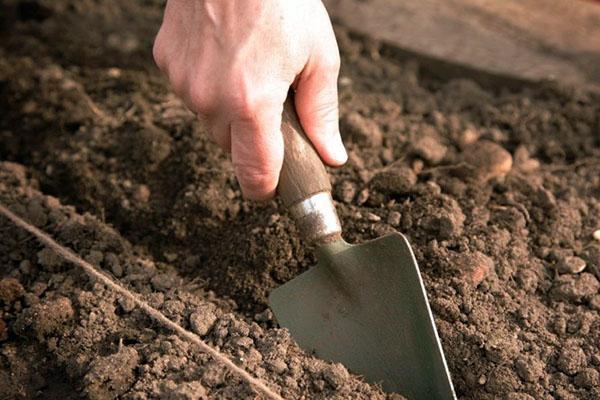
x=497 y=191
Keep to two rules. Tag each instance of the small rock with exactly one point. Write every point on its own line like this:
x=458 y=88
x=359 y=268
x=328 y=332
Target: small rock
x=523 y=160
x=127 y=304
x=571 y=265
x=486 y=160
x=244 y=342
x=363 y=196
x=264 y=316
x=473 y=266
x=345 y=191
x=394 y=180
x=10 y=290
x=142 y=194
x=277 y=365
x=596 y=235
x=361 y=130
x=394 y=218
x=203 y=318
x=336 y=375
x=373 y=217
x=428 y=147
x=25 y=267
x=468 y=137
x=575 y=288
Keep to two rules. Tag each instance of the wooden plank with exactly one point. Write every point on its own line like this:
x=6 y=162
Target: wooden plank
x=523 y=39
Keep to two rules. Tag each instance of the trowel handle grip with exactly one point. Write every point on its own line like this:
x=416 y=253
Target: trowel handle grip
x=303 y=173
x=304 y=183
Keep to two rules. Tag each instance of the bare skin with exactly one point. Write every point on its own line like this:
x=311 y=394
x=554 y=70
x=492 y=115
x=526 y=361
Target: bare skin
x=233 y=62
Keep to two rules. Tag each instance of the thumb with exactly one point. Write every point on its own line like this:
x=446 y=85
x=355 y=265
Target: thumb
x=317 y=106
x=257 y=152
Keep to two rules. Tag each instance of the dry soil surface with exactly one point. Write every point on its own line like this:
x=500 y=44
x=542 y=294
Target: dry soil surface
x=498 y=192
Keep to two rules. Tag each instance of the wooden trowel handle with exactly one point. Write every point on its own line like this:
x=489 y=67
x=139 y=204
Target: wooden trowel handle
x=304 y=183
x=303 y=173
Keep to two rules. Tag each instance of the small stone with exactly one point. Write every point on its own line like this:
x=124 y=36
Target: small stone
x=373 y=217
x=361 y=130
x=571 y=265
x=571 y=359
x=468 y=137
x=394 y=218
x=264 y=316
x=473 y=266
x=244 y=342
x=277 y=365
x=486 y=160
x=363 y=196
x=336 y=375
x=25 y=267
x=142 y=194
x=345 y=191
x=127 y=304
x=10 y=290
x=428 y=147
x=596 y=235
x=203 y=318
x=482 y=380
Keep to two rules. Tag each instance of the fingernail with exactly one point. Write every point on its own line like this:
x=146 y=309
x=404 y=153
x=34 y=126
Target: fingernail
x=338 y=151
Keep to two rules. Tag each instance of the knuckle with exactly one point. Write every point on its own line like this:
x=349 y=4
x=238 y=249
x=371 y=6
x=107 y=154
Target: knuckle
x=178 y=79
x=256 y=182
x=158 y=51
x=200 y=96
x=249 y=100
x=331 y=64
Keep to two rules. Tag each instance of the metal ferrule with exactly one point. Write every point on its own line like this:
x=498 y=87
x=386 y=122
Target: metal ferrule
x=316 y=218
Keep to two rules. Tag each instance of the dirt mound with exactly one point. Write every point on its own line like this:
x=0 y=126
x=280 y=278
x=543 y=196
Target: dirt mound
x=497 y=191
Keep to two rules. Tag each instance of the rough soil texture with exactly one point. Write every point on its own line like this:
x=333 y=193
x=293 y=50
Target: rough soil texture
x=497 y=191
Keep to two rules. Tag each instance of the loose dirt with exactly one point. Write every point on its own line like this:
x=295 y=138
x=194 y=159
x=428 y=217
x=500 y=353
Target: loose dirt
x=498 y=192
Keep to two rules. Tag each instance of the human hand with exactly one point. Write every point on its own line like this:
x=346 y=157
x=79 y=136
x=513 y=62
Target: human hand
x=233 y=62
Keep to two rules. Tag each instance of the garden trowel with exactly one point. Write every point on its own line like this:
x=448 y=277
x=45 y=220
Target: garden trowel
x=363 y=305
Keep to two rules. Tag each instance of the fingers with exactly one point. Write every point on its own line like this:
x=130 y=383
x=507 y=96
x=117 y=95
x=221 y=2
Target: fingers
x=257 y=151
x=317 y=106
